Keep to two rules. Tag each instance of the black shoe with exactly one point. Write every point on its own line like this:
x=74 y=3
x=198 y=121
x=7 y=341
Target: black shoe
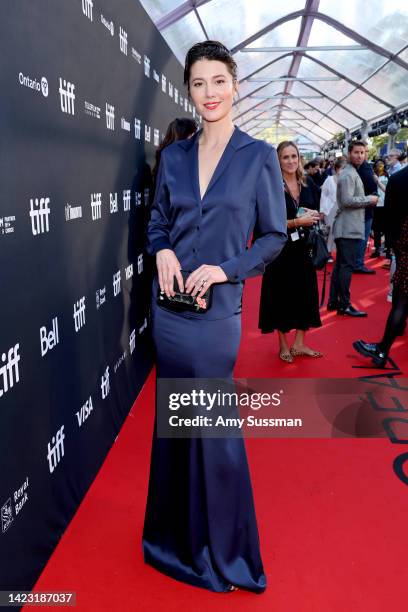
x=332 y=306
x=371 y=350
x=350 y=311
x=375 y=253
x=363 y=271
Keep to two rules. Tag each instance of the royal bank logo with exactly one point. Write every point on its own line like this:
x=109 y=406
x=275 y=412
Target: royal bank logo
x=110 y=116
x=79 y=314
x=49 y=340
x=20 y=497
x=108 y=25
x=137 y=128
x=140 y=263
x=33 y=84
x=176 y=93
x=113 y=203
x=143 y=326
x=92 y=110
x=123 y=41
x=67 y=96
x=132 y=341
x=72 y=212
x=125 y=125
x=84 y=412
x=56 y=449
x=136 y=56
x=7 y=225
x=147 y=66
x=146 y=194
x=129 y=271
x=148 y=133
x=39 y=214
x=164 y=83
x=96 y=206
x=126 y=199
x=156 y=137
x=87 y=6
x=117 y=280
x=100 y=297
x=171 y=89
x=9 y=370
x=138 y=198
x=105 y=386
x=6 y=515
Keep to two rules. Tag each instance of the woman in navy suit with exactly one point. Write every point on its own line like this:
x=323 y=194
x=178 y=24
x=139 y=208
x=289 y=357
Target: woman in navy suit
x=213 y=191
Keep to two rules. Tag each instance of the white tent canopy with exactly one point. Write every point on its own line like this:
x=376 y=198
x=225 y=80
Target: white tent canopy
x=308 y=69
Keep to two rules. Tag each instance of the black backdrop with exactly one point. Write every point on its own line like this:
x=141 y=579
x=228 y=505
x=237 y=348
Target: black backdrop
x=75 y=343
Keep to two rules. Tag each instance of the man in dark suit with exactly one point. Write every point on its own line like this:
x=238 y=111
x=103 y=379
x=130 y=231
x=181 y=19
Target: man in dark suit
x=370 y=188
x=396 y=215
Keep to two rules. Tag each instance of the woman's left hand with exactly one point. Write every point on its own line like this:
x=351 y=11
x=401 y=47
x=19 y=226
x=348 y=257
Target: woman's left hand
x=202 y=278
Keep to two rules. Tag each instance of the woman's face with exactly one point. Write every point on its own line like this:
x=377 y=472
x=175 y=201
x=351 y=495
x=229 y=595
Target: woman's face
x=380 y=169
x=289 y=160
x=211 y=89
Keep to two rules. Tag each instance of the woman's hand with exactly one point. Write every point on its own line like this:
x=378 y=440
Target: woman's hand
x=309 y=218
x=202 y=278
x=168 y=267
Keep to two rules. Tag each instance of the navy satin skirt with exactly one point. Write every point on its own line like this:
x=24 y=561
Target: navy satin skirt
x=200 y=525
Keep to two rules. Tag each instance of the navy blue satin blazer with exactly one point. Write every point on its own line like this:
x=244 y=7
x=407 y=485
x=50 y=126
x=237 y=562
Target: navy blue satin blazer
x=245 y=196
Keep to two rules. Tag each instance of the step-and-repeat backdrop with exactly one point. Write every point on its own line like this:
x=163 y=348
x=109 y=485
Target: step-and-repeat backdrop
x=88 y=88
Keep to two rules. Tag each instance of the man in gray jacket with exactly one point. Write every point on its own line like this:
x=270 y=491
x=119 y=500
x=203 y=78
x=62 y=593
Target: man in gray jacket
x=348 y=230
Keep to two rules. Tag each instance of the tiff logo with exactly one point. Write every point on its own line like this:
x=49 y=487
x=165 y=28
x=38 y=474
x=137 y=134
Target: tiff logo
x=147 y=133
x=39 y=213
x=110 y=116
x=175 y=95
x=147 y=66
x=105 y=387
x=51 y=339
x=132 y=341
x=170 y=89
x=87 y=8
x=156 y=137
x=96 y=206
x=163 y=83
x=140 y=263
x=79 y=314
x=129 y=271
x=9 y=371
x=126 y=199
x=113 y=197
x=116 y=283
x=137 y=129
x=123 y=40
x=67 y=96
x=56 y=449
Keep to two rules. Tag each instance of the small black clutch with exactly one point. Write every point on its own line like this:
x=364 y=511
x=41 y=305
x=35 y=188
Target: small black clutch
x=182 y=301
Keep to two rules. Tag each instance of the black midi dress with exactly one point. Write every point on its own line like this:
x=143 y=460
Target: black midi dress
x=289 y=294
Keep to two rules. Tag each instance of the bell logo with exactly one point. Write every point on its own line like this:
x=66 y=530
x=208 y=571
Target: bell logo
x=49 y=340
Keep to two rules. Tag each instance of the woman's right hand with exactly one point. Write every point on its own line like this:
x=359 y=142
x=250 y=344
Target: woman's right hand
x=168 y=267
x=309 y=218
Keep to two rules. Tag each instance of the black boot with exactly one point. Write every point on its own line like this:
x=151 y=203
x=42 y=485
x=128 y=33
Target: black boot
x=372 y=350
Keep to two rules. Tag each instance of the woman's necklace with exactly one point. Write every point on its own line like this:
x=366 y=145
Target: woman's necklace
x=290 y=192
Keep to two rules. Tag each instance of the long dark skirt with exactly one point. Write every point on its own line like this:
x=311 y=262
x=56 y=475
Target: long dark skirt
x=200 y=525
x=289 y=294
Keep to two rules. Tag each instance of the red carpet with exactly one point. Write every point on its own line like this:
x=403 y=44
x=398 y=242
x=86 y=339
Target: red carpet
x=331 y=513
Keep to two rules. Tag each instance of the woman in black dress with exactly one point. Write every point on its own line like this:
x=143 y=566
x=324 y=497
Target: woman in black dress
x=289 y=295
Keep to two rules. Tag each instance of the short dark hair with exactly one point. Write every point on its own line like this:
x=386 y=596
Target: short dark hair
x=210 y=50
x=356 y=143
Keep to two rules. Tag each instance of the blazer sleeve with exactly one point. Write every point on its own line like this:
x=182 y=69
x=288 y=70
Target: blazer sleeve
x=270 y=225
x=158 y=236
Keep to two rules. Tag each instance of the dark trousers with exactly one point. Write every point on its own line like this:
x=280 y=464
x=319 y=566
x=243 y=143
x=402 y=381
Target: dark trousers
x=347 y=253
